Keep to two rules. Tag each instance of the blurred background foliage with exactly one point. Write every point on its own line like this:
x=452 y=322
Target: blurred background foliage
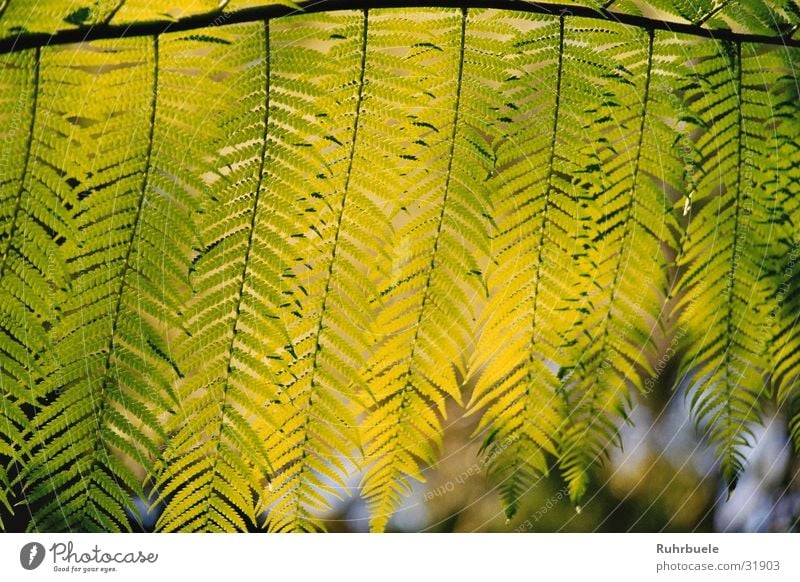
x=664 y=479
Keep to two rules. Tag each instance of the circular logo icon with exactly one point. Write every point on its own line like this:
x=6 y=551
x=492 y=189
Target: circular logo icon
x=31 y=555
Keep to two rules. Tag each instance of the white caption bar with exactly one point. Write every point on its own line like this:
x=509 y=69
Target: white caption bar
x=405 y=557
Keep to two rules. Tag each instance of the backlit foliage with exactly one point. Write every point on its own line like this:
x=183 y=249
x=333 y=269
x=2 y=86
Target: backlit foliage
x=249 y=256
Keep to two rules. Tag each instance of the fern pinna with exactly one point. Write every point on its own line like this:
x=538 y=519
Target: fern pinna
x=254 y=252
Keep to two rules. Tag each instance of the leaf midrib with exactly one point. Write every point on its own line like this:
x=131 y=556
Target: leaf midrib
x=25 y=168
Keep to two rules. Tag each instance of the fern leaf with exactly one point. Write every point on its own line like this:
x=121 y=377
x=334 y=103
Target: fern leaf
x=426 y=320
x=138 y=10
x=693 y=11
x=580 y=384
x=757 y=16
x=765 y=16
x=115 y=368
x=724 y=255
x=612 y=346
x=35 y=228
x=334 y=221
x=215 y=461
x=772 y=97
x=518 y=338
x=18 y=16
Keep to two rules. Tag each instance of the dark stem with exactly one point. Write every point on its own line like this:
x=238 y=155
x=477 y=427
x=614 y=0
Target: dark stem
x=730 y=453
x=113 y=12
x=712 y=13
x=215 y=18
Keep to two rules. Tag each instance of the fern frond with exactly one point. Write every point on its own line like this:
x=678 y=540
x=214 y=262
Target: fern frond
x=319 y=79
x=100 y=425
x=773 y=101
x=436 y=278
x=144 y=10
x=623 y=268
x=766 y=16
x=519 y=342
x=569 y=373
x=756 y=16
x=19 y=16
x=690 y=10
x=247 y=256
x=725 y=256
x=24 y=17
x=34 y=229
x=215 y=462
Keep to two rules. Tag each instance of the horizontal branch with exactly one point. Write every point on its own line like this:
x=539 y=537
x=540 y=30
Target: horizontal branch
x=218 y=18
